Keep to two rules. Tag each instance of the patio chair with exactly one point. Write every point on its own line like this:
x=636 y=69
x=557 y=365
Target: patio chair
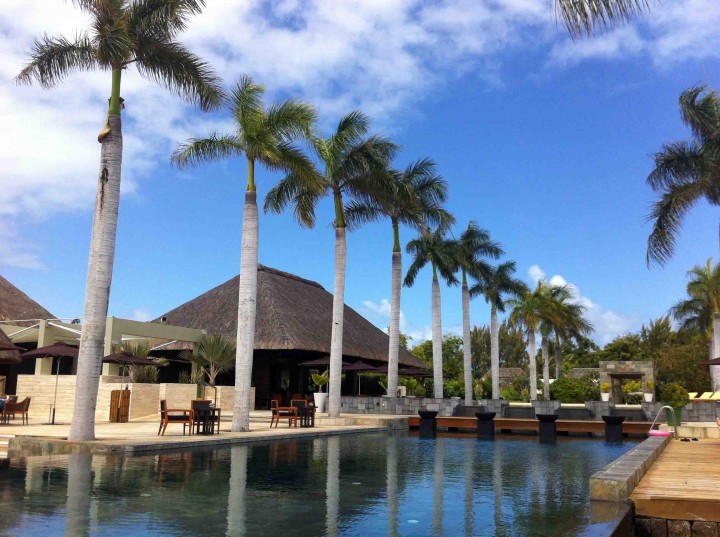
x=202 y=405
x=289 y=413
x=174 y=415
x=706 y=396
x=11 y=409
x=692 y=395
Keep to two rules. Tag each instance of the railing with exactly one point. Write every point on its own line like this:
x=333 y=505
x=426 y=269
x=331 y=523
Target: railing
x=672 y=411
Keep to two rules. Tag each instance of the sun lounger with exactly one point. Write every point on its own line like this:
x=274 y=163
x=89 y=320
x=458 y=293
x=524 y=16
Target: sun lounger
x=705 y=396
x=692 y=395
x=716 y=396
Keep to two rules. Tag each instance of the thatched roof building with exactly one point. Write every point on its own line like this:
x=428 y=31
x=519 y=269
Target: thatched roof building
x=8 y=356
x=293 y=314
x=16 y=305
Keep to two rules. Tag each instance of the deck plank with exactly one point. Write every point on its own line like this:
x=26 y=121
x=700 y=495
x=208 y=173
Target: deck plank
x=683 y=484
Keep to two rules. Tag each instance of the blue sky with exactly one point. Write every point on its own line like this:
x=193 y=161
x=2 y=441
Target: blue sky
x=544 y=141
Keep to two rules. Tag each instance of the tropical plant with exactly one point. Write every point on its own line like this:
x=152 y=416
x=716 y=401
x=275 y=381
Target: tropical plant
x=262 y=136
x=567 y=320
x=584 y=17
x=354 y=166
x=122 y=33
x=320 y=380
x=435 y=248
x=213 y=354
x=570 y=390
x=147 y=374
x=605 y=387
x=685 y=172
x=473 y=245
x=701 y=311
x=632 y=391
x=412 y=197
x=497 y=284
x=674 y=395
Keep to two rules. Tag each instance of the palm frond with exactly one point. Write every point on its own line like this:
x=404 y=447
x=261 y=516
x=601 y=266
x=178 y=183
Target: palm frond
x=291 y=119
x=583 y=17
x=667 y=215
x=197 y=151
x=290 y=191
x=172 y=65
x=676 y=163
x=53 y=58
x=162 y=18
x=703 y=115
x=357 y=214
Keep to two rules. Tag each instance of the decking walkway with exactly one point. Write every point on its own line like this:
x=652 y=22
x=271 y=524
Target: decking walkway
x=683 y=484
x=519 y=424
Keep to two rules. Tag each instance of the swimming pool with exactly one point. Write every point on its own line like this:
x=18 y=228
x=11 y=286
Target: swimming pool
x=356 y=485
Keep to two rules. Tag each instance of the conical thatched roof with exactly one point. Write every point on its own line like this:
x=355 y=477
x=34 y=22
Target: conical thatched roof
x=7 y=356
x=292 y=314
x=16 y=305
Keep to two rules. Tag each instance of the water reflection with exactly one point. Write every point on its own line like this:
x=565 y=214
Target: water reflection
x=361 y=485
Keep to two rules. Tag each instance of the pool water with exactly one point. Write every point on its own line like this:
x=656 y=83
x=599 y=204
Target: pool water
x=355 y=485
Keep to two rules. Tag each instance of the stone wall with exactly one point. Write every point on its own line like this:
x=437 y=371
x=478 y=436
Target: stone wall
x=660 y=527
x=397 y=405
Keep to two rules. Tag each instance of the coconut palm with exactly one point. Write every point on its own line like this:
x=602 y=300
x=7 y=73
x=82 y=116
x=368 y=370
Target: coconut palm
x=494 y=287
x=262 y=136
x=122 y=33
x=435 y=248
x=701 y=311
x=685 y=172
x=472 y=246
x=527 y=312
x=568 y=323
x=583 y=17
x=354 y=166
x=214 y=354
x=412 y=197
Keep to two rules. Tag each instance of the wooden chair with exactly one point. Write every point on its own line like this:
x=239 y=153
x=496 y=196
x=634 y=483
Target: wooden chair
x=289 y=413
x=202 y=404
x=174 y=415
x=14 y=408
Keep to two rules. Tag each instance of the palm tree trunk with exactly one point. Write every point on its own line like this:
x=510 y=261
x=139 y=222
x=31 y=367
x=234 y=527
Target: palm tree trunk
x=532 y=365
x=437 y=339
x=546 y=366
x=714 y=369
x=394 y=331
x=391 y=473
x=494 y=352
x=247 y=309
x=332 y=487
x=99 y=278
x=79 y=489
x=558 y=357
x=237 y=494
x=467 y=359
x=336 y=342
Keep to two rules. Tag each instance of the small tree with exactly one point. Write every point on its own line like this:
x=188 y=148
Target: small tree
x=214 y=354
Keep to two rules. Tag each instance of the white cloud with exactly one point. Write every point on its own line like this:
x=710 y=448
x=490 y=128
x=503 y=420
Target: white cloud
x=15 y=252
x=608 y=324
x=141 y=314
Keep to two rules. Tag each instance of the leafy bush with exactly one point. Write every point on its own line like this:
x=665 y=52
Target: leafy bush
x=321 y=379
x=185 y=377
x=146 y=374
x=674 y=394
x=605 y=387
x=631 y=392
x=454 y=388
x=569 y=390
x=413 y=386
x=483 y=388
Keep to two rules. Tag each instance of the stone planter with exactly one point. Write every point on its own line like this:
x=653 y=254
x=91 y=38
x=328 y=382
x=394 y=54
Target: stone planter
x=485 y=424
x=648 y=397
x=548 y=428
x=428 y=424
x=320 y=401
x=604 y=396
x=613 y=428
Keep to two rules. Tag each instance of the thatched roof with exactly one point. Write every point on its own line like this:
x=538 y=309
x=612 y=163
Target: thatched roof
x=16 y=305
x=8 y=357
x=292 y=314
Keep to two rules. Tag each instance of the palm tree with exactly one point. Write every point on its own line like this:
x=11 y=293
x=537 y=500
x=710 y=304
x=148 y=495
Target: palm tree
x=583 y=17
x=263 y=136
x=412 y=197
x=494 y=287
x=354 y=166
x=568 y=322
x=701 y=311
x=472 y=246
x=122 y=33
x=433 y=247
x=527 y=312
x=214 y=354
x=685 y=172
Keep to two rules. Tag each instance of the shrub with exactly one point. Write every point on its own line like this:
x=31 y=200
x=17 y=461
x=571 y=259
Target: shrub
x=185 y=377
x=569 y=390
x=454 y=388
x=413 y=386
x=483 y=388
x=146 y=374
x=650 y=386
x=674 y=395
x=605 y=387
x=631 y=392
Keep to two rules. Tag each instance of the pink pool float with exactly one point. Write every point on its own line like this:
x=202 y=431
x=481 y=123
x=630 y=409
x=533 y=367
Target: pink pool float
x=655 y=432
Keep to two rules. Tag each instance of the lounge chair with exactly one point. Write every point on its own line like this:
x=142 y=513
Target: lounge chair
x=715 y=396
x=705 y=396
x=289 y=413
x=174 y=415
x=692 y=395
x=14 y=408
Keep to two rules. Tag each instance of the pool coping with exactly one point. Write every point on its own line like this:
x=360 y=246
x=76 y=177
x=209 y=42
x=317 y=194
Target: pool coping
x=28 y=446
x=616 y=482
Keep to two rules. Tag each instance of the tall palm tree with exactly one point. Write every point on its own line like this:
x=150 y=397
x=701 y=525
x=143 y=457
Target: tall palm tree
x=583 y=17
x=527 y=312
x=264 y=136
x=472 y=246
x=435 y=248
x=122 y=33
x=685 y=172
x=701 y=311
x=214 y=354
x=412 y=197
x=568 y=323
x=494 y=287
x=354 y=166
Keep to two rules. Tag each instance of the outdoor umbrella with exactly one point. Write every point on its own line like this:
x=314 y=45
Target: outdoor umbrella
x=57 y=350
x=8 y=352
x=128 y=358
x=357 y=366
x=714 y=361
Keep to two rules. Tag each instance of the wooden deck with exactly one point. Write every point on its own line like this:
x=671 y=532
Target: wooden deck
x=518 y=424
x=683 y=484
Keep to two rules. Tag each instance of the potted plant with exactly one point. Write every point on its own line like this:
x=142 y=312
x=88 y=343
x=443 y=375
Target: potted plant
x=320 y=380
x=605 y=391
x=648 y=395
x=675 y=396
